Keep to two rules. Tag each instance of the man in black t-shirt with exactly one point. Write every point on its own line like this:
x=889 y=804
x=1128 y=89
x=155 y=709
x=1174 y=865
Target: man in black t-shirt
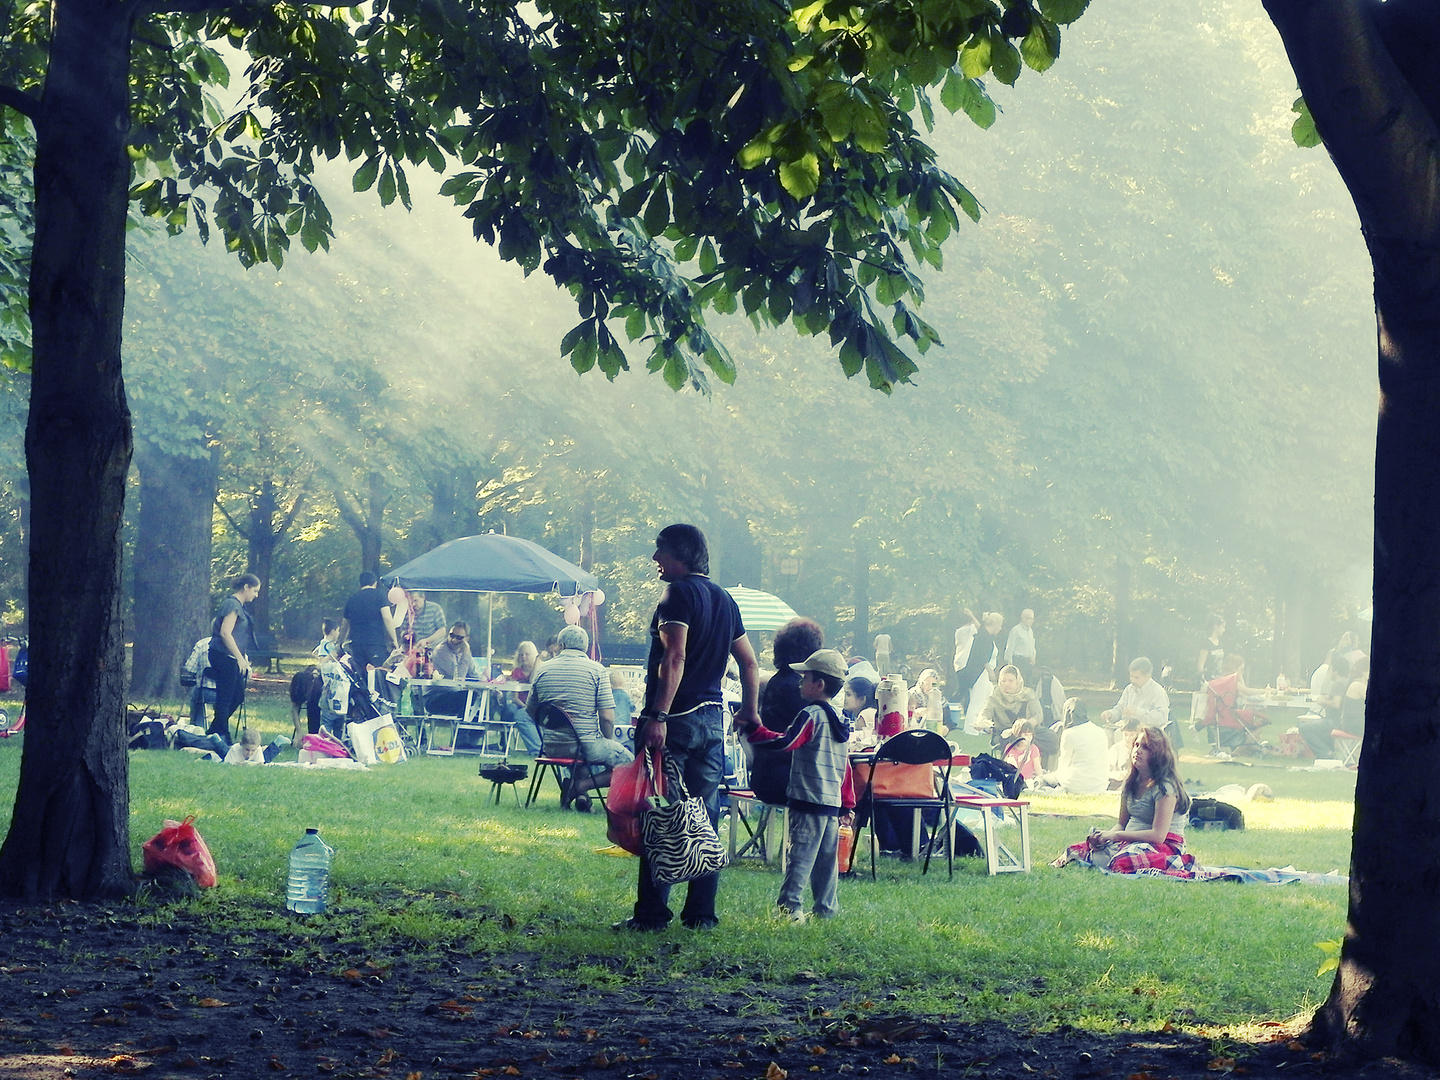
x=696 y=629
x=369 y=622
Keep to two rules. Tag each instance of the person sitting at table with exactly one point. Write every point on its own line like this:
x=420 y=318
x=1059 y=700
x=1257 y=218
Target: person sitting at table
x=451 y=659
x=580 y=686
x=1010 y=702
x=1330 y=704
x=421 y=629
x=1149 y=834
x=861 y=709
x=1144 y=699
x=920 y=701
x=1084 y=755
x=512 y=707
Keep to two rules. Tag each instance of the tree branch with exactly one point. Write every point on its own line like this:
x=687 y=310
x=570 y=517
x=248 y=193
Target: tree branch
x=233 y=523
x=23 y=103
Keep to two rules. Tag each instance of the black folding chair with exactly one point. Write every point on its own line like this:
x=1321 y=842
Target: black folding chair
x=556 y=721
x=915 y=746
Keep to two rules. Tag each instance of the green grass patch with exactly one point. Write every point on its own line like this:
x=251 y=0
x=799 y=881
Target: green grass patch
x=424 y=861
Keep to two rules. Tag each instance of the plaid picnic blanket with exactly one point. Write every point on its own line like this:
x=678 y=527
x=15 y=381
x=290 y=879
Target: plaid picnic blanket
x=1144 y=860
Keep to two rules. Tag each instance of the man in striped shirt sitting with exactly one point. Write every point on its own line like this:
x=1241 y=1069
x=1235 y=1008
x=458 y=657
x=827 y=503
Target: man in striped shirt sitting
x=581 y=687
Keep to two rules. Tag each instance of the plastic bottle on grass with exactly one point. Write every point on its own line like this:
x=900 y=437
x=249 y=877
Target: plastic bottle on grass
x=309 y=881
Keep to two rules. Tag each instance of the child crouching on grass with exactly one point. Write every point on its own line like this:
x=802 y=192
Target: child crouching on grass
x=821 y=793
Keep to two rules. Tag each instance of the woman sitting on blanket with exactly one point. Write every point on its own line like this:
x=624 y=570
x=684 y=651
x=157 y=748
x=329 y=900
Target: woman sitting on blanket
x=1150 y=835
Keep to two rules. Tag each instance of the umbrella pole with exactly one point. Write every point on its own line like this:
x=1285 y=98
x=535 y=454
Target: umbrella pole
x=490 y=639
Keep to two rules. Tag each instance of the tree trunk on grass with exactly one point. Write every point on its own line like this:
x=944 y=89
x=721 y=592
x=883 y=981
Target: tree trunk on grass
x=1368 y=74
x=172 y=568
x=70 y=834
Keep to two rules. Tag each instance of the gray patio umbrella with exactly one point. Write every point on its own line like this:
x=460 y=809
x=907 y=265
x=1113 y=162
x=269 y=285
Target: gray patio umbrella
x=492 y=563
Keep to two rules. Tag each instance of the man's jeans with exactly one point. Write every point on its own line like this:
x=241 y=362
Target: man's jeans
x=696 y=743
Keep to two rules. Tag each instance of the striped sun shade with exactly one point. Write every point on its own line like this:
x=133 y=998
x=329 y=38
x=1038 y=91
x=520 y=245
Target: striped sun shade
x=759 y=610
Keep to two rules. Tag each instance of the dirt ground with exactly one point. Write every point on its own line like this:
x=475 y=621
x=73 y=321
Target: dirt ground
x=88 y=991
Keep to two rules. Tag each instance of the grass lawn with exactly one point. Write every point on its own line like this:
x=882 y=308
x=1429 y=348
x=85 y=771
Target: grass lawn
x=421 y=856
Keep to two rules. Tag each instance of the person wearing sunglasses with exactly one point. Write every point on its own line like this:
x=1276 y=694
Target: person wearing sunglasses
x=452 y=661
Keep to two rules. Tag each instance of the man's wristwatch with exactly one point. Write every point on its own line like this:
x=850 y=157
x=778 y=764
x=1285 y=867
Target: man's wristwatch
x=654 y=716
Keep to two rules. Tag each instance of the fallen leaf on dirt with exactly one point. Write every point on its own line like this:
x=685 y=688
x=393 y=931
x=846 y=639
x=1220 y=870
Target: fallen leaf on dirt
x=18 y=970
x=275 y=1064
x=893 y=1059
x=732 y=1065
x=590 y=1034
x=643 y=1040
x=775 y=1072
x=125 y=1063
x=415 y=1076
x=212 y=1003
x=387 y=1057
x=818 y=1051
x=1295 y=1046
x=1221 y=1064
x=510 y=1070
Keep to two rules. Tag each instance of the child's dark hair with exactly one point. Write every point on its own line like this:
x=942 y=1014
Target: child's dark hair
x=833 y=683
x=327 y=626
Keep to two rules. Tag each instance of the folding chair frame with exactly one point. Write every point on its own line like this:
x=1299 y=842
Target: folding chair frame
x=915 y=746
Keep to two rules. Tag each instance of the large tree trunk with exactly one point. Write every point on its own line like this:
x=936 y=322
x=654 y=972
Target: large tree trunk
x=70 y=831
x=1367 y=72
x=172 y=567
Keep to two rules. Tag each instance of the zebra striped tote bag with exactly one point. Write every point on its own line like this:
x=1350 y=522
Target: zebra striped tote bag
x=680 y=843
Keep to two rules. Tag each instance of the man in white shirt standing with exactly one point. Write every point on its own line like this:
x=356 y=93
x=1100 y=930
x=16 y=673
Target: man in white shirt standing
x=1020 y=647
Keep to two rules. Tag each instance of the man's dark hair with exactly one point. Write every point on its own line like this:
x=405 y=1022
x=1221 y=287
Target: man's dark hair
x=326 y=625
x=1340 y=667
x=796 y=640
x=462 y=626
x=368 y=578
x=687 y=544
x=833 y=683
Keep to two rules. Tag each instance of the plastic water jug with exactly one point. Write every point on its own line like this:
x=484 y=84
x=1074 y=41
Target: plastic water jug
x=309 y=881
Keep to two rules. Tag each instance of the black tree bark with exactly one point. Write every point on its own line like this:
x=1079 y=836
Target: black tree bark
x=1368 y=74
x=172 y=567
x=70 y=834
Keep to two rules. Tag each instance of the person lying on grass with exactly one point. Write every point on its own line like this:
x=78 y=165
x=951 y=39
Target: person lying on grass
x=1150 y=834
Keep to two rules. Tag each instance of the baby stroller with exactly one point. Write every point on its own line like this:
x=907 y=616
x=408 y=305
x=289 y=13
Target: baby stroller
x=16 y=672
x=347 y=698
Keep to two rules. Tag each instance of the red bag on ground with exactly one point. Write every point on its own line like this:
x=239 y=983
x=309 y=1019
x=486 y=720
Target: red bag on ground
x=630 y=791
x=322 y=744
x=178 y=844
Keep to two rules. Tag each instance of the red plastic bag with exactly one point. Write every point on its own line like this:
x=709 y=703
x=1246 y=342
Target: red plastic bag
x=322 y=745
x=630 y=790
x=178 y=844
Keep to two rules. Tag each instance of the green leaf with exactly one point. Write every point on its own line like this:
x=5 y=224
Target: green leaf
x=635 y=325
x=387 y=185
x=801 y=178
x=1035 y=49
x=1303 y=131
x=1331 y=949
x=969 y=95
x=1063 y=12
x=975 y=57
x=708 y=259
x=1005 y=61
x=365 y=175
x=657 y=213
x=756 y=152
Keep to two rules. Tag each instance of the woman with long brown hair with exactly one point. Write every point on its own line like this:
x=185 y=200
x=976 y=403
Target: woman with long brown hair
x=1149 y=836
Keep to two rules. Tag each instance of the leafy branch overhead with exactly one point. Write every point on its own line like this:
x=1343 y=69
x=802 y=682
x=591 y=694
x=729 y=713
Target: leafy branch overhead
x=656 y=162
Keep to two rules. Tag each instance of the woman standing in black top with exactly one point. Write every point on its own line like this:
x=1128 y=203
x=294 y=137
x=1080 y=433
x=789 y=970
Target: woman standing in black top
x=231 y=639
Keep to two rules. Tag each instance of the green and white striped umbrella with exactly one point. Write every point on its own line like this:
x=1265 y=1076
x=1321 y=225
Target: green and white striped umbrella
x=759 y=610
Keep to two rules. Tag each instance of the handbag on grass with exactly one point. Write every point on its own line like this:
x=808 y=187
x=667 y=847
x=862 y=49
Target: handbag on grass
x=680 y=843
